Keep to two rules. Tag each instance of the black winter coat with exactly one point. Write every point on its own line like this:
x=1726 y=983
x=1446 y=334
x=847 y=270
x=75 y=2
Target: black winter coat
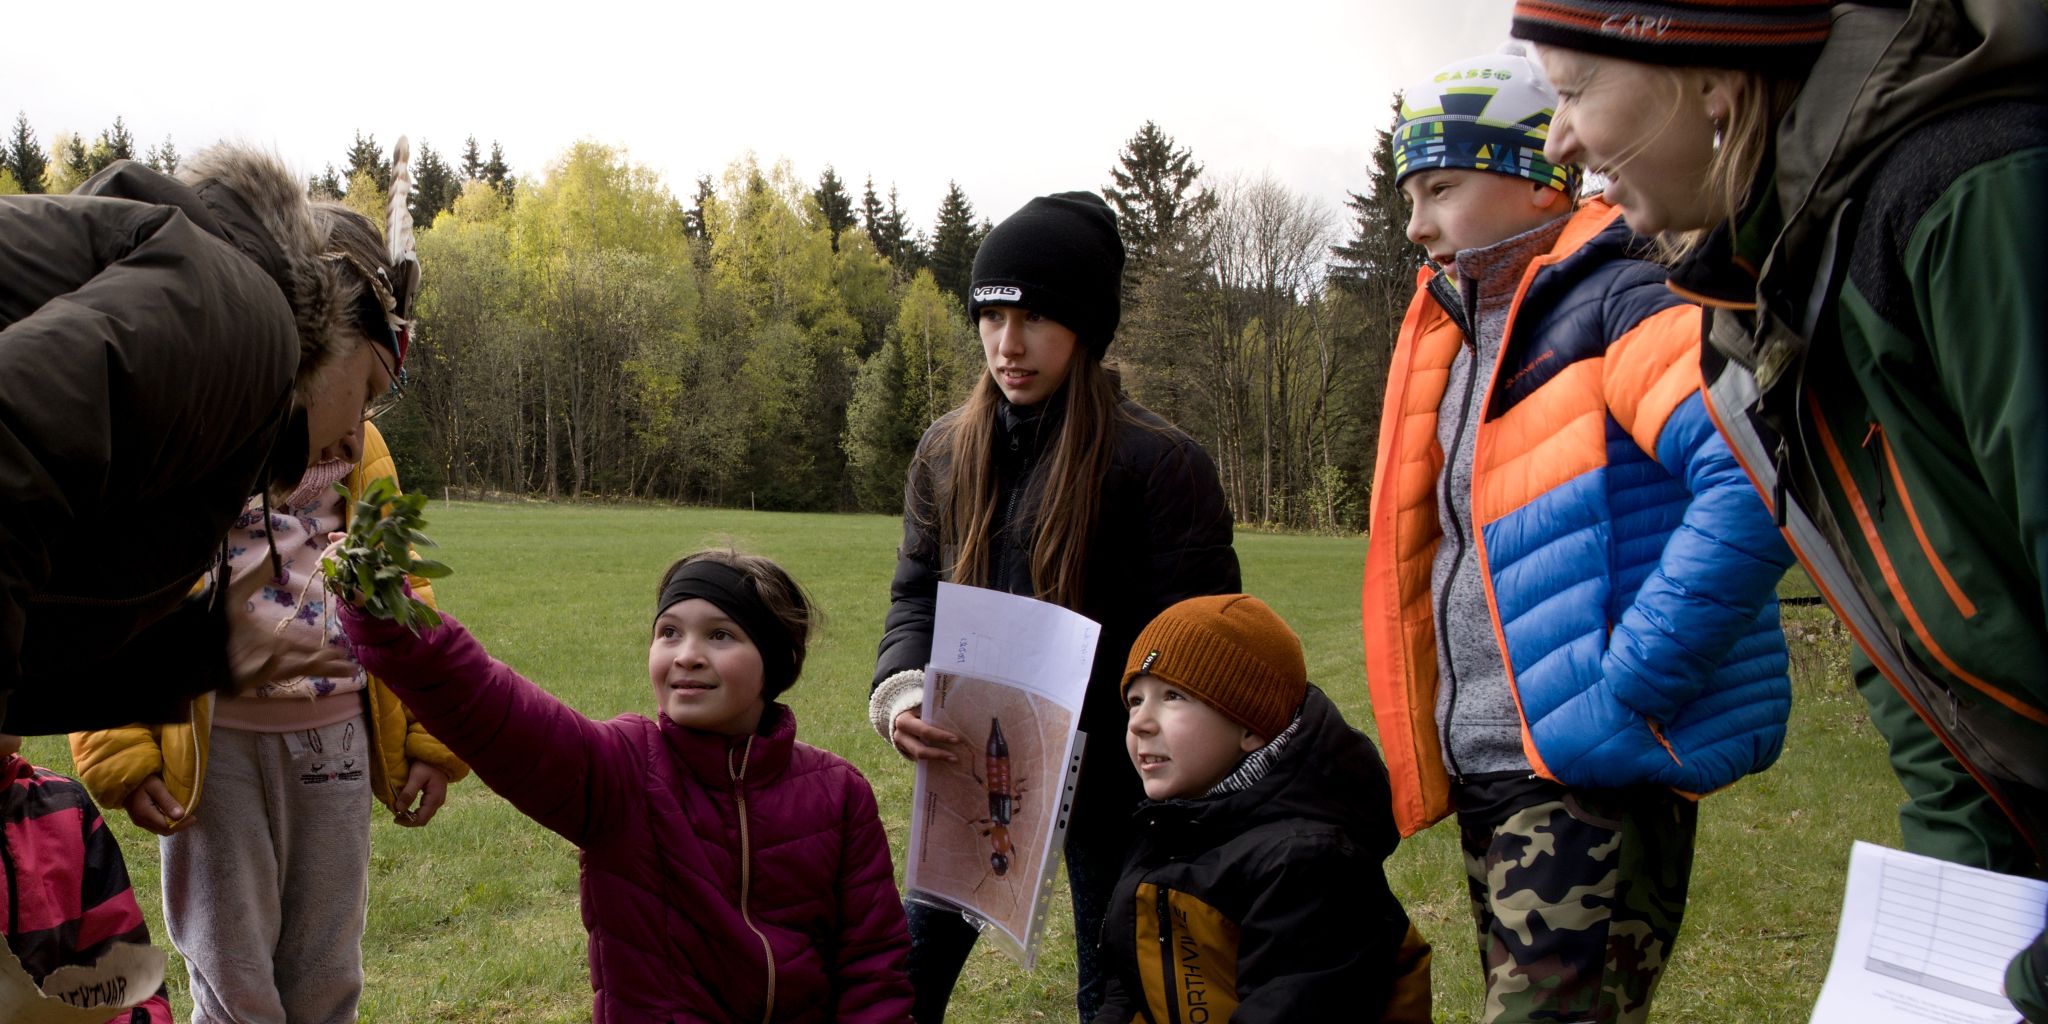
x=147 y=352
x=1270 y=903
x=1162 y=534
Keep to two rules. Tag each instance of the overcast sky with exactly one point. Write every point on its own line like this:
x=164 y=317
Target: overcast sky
x=1010 y=100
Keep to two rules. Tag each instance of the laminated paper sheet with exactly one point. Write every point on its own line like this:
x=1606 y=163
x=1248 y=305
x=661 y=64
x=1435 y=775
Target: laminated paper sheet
x=1007 y=674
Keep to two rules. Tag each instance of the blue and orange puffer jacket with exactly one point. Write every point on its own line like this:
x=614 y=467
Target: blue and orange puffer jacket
x=1629 y=564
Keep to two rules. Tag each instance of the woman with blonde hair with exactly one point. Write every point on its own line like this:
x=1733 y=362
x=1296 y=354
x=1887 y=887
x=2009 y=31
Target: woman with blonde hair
x=1048 y=482
x=1857 y=193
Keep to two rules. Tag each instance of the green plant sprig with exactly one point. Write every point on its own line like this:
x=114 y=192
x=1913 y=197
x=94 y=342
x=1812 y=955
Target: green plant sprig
x=380 y=551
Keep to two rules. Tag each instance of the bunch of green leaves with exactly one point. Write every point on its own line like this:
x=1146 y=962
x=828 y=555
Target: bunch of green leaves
x=380 y=551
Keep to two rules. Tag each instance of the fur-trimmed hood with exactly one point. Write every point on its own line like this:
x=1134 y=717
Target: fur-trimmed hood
x=249 y=199
x=240 y=183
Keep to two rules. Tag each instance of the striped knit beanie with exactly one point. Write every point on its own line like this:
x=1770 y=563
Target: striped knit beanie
x=1750 y=34
x=1231 y=651
x=1488 y=113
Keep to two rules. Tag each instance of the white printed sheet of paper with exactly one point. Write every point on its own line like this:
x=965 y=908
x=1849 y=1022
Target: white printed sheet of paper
x=127 y=975
x=1923 y=941
x=1007 y=674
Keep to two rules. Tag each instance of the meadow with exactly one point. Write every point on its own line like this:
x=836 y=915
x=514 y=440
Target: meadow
x=474 y=918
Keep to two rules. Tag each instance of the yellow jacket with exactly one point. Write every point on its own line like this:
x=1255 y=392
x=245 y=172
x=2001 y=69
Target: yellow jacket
x=113 y=762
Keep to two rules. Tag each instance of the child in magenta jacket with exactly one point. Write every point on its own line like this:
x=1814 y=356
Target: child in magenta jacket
x=729 y=872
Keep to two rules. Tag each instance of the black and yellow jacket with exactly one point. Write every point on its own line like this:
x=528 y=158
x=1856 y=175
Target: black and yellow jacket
x=1268 y=902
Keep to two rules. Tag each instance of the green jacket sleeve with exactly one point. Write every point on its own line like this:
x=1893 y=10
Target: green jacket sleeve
x=1976 y=258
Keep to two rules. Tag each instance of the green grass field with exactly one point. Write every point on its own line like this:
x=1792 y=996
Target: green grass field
x=474 y=918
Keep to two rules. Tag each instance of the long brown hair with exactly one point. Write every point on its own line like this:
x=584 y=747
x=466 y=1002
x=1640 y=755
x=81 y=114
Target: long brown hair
x=965 y=502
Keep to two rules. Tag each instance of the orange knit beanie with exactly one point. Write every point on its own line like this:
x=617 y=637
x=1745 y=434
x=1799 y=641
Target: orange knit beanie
x=1231 y=651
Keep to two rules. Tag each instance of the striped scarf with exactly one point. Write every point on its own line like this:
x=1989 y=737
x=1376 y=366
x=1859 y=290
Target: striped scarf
x=1257 y=763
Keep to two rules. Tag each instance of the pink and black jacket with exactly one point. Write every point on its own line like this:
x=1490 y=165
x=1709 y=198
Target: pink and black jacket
x=67 y=899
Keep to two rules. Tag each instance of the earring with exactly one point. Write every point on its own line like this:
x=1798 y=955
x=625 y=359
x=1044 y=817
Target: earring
x=1720 y=128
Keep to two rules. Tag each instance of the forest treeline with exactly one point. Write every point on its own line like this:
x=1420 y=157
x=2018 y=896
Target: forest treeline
x=781 y=343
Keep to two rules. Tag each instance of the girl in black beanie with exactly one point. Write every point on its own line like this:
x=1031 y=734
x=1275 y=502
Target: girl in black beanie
x=1049 y=483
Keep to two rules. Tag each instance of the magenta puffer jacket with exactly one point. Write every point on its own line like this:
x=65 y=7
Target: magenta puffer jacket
x=724 y=878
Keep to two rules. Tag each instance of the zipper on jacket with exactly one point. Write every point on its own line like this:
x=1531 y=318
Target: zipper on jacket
x=739 y=790
x=1002 y=580
x=1170 y=979
x=1443 y=607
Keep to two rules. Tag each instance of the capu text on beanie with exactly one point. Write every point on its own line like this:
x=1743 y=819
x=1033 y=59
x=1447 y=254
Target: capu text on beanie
x=1751 y=34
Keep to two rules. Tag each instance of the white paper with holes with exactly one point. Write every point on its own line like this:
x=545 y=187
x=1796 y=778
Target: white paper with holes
x=1007 y=675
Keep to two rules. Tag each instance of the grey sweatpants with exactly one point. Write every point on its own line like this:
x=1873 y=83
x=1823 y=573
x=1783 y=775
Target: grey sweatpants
x=266 y=891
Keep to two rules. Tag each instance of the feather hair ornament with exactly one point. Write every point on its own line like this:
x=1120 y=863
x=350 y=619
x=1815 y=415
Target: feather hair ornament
x=404 y=257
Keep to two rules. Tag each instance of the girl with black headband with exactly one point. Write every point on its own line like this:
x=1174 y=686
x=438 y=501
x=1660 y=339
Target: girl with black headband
x=1048 y=482
x=729 y=872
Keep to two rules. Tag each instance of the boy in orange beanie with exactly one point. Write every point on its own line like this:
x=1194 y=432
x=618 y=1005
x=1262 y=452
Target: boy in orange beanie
x=1255 y=891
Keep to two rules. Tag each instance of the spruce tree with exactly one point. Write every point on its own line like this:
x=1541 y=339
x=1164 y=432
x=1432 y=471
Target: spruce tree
x=893 y=239
x=834 y=203
x=115 y=143
x=434 y=186
x=472 y=161
x=694 y=223
x=1373 y=274
x=1151 y=192
x=955 y=240
x=24 y=155
x=871 y=214
x=325 y=185
x=498 y=173
x=165 y=157
x=363 y=155
x=1378 y=261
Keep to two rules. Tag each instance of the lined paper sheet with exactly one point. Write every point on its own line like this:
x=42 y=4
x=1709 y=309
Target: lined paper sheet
x=1923 y=940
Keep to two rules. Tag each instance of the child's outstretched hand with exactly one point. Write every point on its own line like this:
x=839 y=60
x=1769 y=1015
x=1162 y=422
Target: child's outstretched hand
x=430 y=785
x=367 y=567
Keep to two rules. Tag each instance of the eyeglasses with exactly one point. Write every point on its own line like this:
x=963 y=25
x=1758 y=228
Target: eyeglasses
x=384 y=403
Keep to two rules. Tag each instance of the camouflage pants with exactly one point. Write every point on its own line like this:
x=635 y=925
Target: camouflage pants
x=1577 y=895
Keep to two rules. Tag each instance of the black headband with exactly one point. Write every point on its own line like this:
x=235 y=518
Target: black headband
x=736 y=594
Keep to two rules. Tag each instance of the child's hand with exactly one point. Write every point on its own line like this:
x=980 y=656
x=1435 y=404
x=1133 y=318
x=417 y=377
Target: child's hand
x=919 y=741
x=369 y=565
x=258 y=655
x=430 y=785
x=152 y=808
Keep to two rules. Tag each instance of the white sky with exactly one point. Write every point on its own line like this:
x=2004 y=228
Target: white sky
x=1010 y=100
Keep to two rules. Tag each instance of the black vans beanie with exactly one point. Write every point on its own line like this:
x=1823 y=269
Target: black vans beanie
x=1059 y=257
